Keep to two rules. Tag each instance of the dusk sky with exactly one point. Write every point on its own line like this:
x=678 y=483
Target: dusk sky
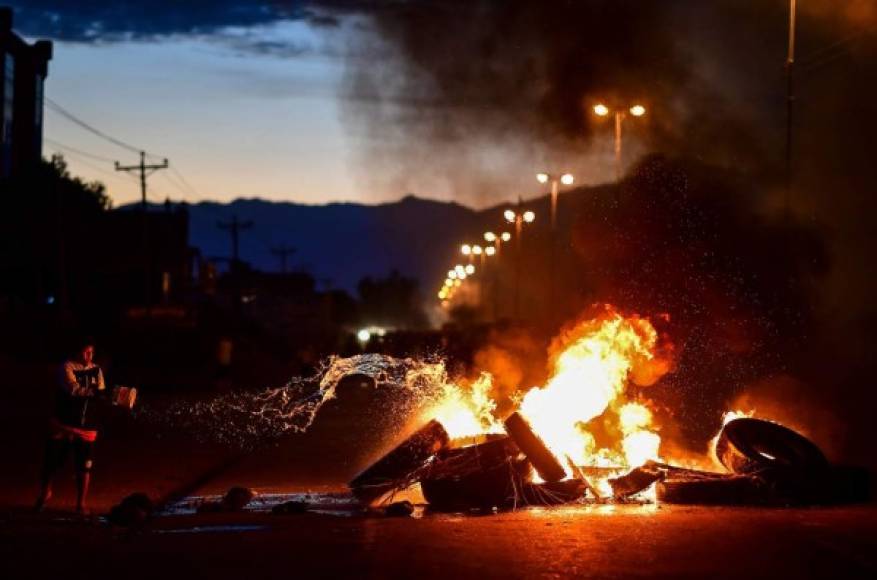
x=330 y=100
x=235 y=122
x=262 y=99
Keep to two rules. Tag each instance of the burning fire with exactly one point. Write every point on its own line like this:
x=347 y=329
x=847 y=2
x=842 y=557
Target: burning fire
x=593 y=365
x=467 y=411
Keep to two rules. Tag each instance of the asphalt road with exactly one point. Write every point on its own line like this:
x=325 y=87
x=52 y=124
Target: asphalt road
x=575 y=541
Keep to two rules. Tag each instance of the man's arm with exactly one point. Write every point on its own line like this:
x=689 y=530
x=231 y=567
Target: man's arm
x=71 y=386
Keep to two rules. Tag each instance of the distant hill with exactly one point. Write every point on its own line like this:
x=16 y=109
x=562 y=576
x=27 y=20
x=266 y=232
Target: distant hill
x=339 y=243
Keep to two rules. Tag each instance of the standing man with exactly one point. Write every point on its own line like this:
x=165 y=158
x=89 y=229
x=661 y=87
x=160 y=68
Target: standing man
x=73 y=426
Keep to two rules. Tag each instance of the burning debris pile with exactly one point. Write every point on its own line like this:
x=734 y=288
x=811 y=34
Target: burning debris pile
x=589 y=435
x=768 y=465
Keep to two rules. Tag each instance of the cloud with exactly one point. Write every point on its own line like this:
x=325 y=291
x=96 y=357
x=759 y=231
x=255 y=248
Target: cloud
x=109 y=20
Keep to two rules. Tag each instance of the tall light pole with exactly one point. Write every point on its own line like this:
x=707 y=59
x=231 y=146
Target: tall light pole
x=790 y=101
x=555 y=180
x=602 y=110
x=518 y=218
x=495 y=250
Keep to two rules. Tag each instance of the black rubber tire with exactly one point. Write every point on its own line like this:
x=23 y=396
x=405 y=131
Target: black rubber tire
x=731 y=490
x=750 y=445
x=393 y=469
x=479 y=476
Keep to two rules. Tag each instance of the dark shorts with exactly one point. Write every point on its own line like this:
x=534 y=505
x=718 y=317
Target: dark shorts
x=57 y=451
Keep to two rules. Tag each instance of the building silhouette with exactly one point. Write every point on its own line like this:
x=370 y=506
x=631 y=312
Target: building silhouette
x=24 y=68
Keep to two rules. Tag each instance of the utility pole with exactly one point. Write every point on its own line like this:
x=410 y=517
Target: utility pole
x=282 y=252
x=145 y=171
x=235 y=227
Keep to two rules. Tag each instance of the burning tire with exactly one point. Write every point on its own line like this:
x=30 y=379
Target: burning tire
x=475 y=477
x=751 y=445
x=728 y=490
x=534 y=448
x=396 y=469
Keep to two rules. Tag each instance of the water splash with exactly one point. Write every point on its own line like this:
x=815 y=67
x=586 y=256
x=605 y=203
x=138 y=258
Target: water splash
x=243 y=418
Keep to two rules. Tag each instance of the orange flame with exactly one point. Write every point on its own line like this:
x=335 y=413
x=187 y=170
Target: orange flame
x=594 y=364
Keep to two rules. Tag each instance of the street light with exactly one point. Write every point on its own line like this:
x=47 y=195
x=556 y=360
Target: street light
x=465 y=249
x=489 y=237
x=505 y=236
x=602 y=110
x=556 y=180
x=490 y=250
x=519 y=218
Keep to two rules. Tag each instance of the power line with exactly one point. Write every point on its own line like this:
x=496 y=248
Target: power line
x=91 y=128
x=188 y=185
x=76 y=150
x=187 y=188
x=79 y=159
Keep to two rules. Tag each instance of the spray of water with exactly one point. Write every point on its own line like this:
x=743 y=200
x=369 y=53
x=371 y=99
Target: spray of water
x=245 y=418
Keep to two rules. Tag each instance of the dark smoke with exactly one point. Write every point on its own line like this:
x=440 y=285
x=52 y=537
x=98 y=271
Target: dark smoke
x=468 y=100
x=472 y=97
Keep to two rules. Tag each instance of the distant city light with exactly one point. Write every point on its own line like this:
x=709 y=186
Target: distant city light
x=363 y=335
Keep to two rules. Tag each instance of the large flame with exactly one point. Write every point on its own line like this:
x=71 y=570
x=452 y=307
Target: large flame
x=593 y=364
x=467 y=410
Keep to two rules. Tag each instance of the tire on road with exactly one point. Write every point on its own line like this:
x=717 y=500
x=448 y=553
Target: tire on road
x=749 y=445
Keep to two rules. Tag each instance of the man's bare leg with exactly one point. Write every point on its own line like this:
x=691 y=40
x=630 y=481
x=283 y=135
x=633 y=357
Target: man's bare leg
x=44 y=495
x=82 y=481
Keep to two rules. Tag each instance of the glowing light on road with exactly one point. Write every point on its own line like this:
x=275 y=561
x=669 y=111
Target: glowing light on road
x=637 y=110
x=542 y=177
x=567 y=179
x=490 y=250
x=470 y=269
x=489 y=237
x=506 y=236
x=529 y=216
x=465 y=249
x=509 y=215
x=601 y=109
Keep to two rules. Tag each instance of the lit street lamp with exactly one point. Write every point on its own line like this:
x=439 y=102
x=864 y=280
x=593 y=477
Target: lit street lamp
x=519 y=218
x=602 y=110
x=555 y=180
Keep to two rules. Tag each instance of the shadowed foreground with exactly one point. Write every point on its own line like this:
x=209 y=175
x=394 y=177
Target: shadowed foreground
x=597 y=541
